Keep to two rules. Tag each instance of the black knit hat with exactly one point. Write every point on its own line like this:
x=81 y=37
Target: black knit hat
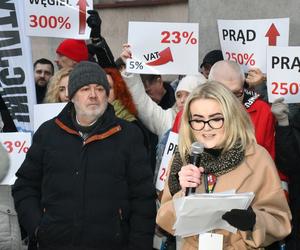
x=85 y=73
x=212 y=57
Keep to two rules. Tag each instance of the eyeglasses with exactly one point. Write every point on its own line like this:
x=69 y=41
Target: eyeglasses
x=214 y=123
x=239 y=92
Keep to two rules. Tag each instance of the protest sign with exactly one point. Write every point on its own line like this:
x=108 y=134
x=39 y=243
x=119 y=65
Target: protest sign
x=283 y=78
x=163 y=48
x=63 y=18
x=167 y=156
x=17 y=145
x=246 y=41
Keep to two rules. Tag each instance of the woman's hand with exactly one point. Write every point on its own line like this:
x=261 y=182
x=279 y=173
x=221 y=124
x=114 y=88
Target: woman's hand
x=126 y=53
x=190 y=176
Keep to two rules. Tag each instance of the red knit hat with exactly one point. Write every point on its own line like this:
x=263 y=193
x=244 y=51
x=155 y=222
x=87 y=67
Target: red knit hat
x=73 y=49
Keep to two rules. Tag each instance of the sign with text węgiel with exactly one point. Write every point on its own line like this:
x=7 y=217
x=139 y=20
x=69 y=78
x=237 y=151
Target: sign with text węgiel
x=283 y=74
x=57 y=18
x=246 y=41
x=16 y=71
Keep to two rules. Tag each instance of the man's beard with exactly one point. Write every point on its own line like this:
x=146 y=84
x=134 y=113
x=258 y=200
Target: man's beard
x=91 y=115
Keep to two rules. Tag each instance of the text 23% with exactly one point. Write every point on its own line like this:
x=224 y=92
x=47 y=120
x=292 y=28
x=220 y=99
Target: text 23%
x=49 y=22
x=177 y=37
x=18 y=146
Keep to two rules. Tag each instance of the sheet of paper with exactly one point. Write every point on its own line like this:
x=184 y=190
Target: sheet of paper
x=201 y=213
x=210 y=241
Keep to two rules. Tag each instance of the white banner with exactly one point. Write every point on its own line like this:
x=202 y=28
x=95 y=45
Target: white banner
x=246 y=41
x=163 y=48
x=16 y=77
x=45 y=112
x=63 y=18
x=283 y=77
x=17 y=145
x=165 y=162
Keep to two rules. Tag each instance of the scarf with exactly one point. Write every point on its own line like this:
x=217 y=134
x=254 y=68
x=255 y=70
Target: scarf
x=122 y=112
x=212 y=163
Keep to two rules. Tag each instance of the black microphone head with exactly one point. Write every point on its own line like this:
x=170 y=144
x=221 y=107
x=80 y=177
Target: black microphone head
x=197 y=148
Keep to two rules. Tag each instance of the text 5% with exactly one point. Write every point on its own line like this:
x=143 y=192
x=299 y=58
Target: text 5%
x=16 y=146
x=178 y=37
x=51 y=22
x=136 y=65
x=241 y=58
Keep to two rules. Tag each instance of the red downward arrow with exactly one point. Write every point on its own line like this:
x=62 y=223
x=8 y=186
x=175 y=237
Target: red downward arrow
x=82 y=15
x=165 y=56
x=272 y=34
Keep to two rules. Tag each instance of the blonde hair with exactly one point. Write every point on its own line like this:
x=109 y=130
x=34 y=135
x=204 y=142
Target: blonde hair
x=52 y=94
x=237 y=124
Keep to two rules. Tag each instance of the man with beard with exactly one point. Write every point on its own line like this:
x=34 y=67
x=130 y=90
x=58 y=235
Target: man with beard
x=43 y=70
x=81 y=186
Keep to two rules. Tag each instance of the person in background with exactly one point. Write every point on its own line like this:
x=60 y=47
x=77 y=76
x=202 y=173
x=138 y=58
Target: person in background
x=209 y=60
x=214 y=117
x=121 y=66
x=287 y=145
x=10 y=235
x=160 y=92
x=57 y=90
x=70 y=52
x=43 y=71
x=103 y=197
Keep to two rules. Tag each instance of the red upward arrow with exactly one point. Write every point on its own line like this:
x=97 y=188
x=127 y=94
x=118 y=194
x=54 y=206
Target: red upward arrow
x=165 y=56
x=82 y=15
x=272 y=34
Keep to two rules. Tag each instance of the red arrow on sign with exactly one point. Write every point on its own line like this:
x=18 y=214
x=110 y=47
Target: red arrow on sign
x=272 y=34
x=82 y=15
x=165 y=56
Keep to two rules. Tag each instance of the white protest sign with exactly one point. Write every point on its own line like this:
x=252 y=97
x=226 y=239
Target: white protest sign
x=163 y=48
x=17 y=145
x=63 y=18
x=246 y=41
x=167 y=156
x=45 y=112
x=283 y=77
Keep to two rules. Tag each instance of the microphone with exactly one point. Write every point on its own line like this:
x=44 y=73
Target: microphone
x=196 y=151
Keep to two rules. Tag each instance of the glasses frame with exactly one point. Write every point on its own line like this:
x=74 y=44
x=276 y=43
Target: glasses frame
x=206 y=122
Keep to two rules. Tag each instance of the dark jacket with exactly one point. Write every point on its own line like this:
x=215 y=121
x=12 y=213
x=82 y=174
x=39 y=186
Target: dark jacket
x=96 y=193
x=287 y=160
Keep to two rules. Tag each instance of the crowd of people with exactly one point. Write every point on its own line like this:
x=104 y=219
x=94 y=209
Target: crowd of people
x=88 y=179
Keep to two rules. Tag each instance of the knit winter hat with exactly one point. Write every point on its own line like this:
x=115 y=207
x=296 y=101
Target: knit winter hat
x=190 y=82
x=85 y=73
x=73 y=49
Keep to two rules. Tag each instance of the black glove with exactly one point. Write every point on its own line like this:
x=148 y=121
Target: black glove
x=242 y=219
x=94 y=22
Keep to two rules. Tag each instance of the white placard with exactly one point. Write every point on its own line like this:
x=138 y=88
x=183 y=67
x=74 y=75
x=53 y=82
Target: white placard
x=163 y=48
x=17 y=145
x=64 y=18
x=210 y=241
x=283 y=77
x=17 y=87
x=165 y=161
x=45 y=112
x=246 y=41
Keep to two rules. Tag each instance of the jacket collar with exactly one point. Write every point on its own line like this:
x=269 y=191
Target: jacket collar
x=249 y=98
x=108 y=126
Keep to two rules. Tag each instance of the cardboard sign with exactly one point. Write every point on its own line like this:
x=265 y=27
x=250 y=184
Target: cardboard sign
x=17 y=145
x=165 y=162
x=283 y=77
x=246 y=41
x=45 y=112
x=64 y=18
x=163 y=48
